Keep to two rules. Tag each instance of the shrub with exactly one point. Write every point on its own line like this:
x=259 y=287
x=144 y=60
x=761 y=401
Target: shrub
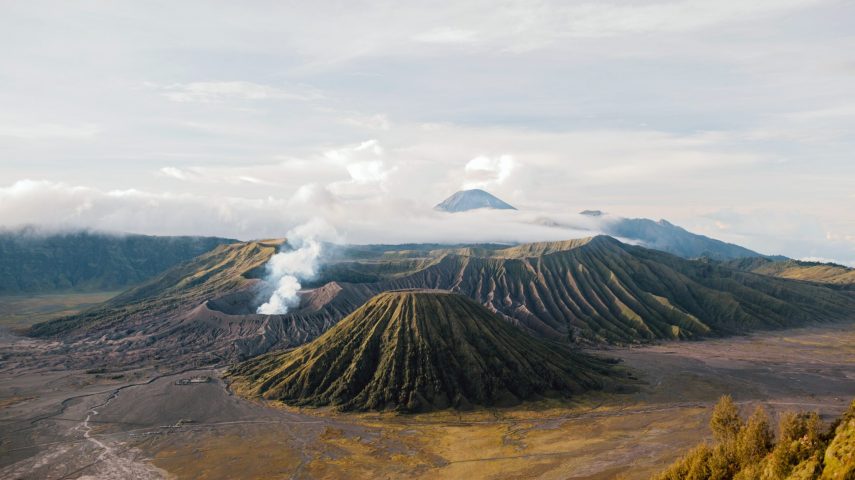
x=725 y=422
x=747 y=451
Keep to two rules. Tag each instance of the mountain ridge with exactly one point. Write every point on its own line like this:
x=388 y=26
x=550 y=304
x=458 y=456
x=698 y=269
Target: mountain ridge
x=32 y=261
x=839 y=276
x=665 y=236
x=592 y=291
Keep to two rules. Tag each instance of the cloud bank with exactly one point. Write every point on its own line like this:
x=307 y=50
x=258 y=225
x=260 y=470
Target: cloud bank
x=731 y=118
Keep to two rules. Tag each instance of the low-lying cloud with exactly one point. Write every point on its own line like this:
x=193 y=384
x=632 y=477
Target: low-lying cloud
x=383 y=218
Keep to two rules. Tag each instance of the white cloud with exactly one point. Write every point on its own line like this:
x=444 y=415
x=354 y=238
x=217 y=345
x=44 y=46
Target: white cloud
x=347 y=154
x=380 y=218
x=214 y=92
x=608 y=19
x=312 y=197
x=794 y=233
x=818 y=260
x=367 y=171
x=484 y=172
x=655 y=108
x=375 y=122
x=253 y=180
x=447 y=35
x=366 y=166
x=60 y=205
x=361 y=221
x=50 y=130
x=177 y=173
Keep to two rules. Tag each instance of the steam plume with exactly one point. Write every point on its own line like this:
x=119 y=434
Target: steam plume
x=286 y=269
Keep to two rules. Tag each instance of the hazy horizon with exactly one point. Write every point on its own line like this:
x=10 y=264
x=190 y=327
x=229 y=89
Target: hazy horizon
x=730 y=119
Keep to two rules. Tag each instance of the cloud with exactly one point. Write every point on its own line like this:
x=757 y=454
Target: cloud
x=374 y=219
x=312 y=196
x=846 y=263
x=347 y=154
x=51 y=130
x=253 y=180
x=60 y=205
x=367 y=171
x=178 y=173
x=66 y=206
x=794 y=234
x=483 y=171
x=366 y=167
x=216 y=92
x=254 y=117
x=609 y=19
x=374 y=122
x=447 y=35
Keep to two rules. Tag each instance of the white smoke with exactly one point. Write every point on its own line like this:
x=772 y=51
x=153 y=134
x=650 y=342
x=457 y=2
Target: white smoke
x=286 y=269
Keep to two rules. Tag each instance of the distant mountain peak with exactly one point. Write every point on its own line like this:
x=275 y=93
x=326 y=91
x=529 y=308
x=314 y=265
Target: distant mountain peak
x=667 y=237
x=592 y=213
x=470 y=200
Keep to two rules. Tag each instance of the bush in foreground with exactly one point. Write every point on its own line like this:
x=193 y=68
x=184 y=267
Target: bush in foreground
x=746 y=449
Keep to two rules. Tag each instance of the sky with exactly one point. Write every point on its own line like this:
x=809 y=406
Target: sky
x=731 y=118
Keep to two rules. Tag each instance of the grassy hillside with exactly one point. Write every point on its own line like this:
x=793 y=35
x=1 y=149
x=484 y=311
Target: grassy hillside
x=19 y=312
x=746 y=449
x=416 y=351
x=32 y=262
x=602 y=290
x=588 y=291
x=225 y=269
x=827 y=273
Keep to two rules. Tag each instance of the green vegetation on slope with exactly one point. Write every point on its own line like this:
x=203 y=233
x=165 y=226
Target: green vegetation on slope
x=225 y=269
x=415 y=351
x=601 y=290
x=839 y=458
x=19 y=312
x=828 y=273
x=595 y=290
x=747 y=450
x=33 y=262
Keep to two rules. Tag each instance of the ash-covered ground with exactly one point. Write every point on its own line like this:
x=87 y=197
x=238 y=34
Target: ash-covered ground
x=58 y=423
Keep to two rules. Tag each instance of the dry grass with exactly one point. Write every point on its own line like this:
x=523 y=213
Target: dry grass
x=536 y=441
x=595 y=436
x=230 y=456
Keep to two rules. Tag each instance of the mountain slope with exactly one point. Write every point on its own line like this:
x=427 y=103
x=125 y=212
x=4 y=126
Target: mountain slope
x=602 y=290
x=216 y=273
x=416 y=351
x=31 y=262
x=593 y=291
x=827 y=273
x=200 y=312
x=470 y=200
x=667 y=237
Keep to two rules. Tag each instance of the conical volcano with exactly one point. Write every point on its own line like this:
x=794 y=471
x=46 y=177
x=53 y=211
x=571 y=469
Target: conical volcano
x=416 y=351
x=465 y=200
